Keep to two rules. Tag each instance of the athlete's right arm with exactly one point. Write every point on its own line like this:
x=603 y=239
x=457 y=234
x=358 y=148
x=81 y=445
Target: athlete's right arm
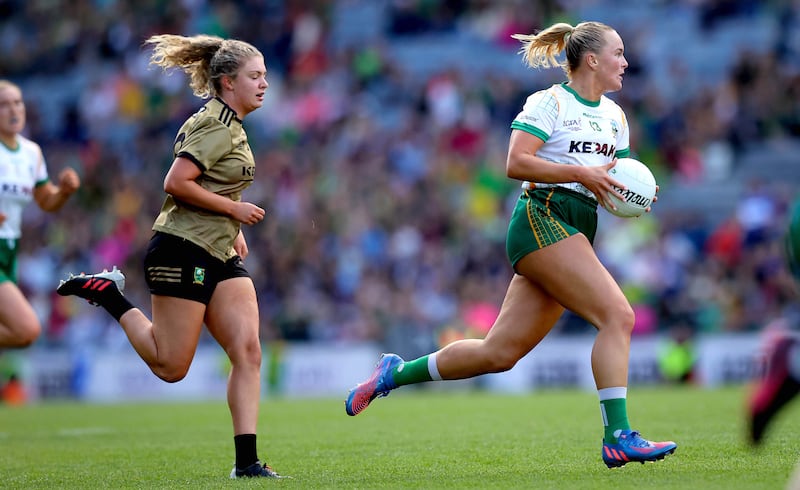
x=181 y=183
x=523 y=164
x=530 y=129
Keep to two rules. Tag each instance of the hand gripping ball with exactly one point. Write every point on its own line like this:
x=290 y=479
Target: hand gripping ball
x=640 y=187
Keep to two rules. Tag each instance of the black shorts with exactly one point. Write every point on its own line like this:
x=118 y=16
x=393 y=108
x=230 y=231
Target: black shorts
x=176 y=267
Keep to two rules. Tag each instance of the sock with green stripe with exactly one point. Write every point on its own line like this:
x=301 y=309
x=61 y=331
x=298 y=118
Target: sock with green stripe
x=417 y=371
x=613 y=408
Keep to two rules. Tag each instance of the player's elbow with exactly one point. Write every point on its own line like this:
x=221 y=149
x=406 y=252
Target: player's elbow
x=47 y=198
x=171 y=186
x=514 y=168
x=177 y=188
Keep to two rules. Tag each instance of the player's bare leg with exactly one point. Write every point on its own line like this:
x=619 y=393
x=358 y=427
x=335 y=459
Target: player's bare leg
x=583 y=285
x=232 y=318
x=527 y=315
x=167 y=344
x=19 y=325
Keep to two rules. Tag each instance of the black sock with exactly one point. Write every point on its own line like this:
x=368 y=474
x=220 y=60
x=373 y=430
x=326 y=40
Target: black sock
x=246 y=453
x=116 y=305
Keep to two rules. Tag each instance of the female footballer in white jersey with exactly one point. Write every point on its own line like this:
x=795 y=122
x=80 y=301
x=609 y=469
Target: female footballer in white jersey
x=23 y=178
x=562 y=145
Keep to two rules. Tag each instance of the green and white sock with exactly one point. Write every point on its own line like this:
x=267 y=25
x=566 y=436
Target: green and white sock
x=613 y=408
x=419 y=370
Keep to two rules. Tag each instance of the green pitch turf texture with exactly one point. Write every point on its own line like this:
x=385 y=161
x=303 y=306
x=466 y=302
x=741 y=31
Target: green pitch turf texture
x=414 y=439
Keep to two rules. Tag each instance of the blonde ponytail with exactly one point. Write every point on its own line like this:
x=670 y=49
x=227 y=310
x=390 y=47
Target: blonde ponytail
x=542 y=49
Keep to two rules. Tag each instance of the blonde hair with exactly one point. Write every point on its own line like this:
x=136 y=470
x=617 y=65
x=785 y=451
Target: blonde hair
x=4 y=84
x=206 y=59
x=540 y=50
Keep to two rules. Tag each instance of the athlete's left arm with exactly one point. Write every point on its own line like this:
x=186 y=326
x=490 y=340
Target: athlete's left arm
x=51 y=197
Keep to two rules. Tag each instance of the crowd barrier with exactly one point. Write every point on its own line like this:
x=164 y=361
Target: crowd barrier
x=330 y=370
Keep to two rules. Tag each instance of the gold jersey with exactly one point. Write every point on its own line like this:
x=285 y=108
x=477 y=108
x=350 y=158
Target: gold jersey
x=214 y=139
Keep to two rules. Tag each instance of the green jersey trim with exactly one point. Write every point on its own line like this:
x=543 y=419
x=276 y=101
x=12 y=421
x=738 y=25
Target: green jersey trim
x=590 y=103
x=530 y=129
x=623 y=153
x=15 y=150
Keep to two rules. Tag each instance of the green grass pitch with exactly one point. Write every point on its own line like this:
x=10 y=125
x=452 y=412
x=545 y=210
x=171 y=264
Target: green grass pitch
x=416 y=438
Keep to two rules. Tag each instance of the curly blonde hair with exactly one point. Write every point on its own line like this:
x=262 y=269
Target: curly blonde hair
x=206 y=59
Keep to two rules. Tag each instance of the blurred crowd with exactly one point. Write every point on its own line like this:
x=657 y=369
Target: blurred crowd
x=384 y=184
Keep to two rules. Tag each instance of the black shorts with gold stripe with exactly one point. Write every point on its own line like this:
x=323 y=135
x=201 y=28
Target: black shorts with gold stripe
x=542 y=217
x=176 y=267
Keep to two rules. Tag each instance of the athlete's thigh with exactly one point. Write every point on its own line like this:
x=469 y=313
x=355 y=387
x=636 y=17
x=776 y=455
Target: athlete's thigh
x=571 y=273
x=177 y=323
x=528 y=314
x=14 y=307
x=232 y=314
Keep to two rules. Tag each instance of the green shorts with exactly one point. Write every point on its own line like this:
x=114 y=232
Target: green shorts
x=8 y=260
x=544 y=216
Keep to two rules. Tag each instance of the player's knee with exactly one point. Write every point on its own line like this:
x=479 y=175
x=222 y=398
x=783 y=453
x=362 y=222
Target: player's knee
x=627 y=319
x=170 y=374
x=244 y=351
x=501 y=361
x=247 y=354
x=620 y=317
x=26 y=335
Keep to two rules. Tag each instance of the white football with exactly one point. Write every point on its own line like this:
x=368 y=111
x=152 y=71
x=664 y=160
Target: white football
x=641 y=187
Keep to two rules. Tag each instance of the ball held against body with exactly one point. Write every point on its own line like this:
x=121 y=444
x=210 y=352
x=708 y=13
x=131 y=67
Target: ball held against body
x=640 y=188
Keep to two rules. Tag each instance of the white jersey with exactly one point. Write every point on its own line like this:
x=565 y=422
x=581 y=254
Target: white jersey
x=575 y=131
x=21 y=170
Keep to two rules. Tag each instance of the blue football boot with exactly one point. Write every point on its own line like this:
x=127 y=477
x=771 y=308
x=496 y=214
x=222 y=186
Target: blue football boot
x=379 y=384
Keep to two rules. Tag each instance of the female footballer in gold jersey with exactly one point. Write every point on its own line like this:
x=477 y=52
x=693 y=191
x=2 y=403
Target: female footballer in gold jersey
x=193 y=264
